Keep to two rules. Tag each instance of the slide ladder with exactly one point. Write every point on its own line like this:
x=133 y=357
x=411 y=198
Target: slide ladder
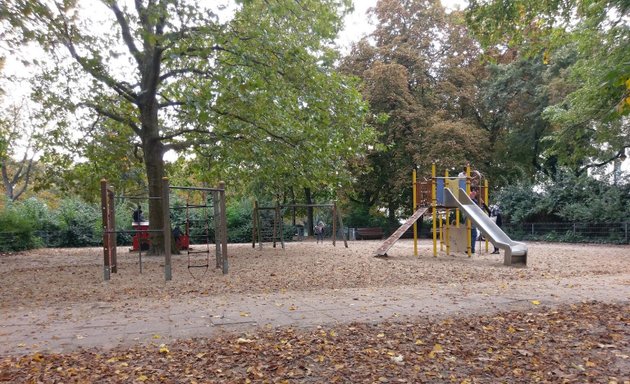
x=382 y=250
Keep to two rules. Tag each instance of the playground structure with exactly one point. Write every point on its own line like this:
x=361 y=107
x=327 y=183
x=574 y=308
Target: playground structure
x=142 y=234
x=274 y=229
x=439 y=196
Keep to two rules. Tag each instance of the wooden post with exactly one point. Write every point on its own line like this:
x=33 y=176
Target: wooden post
x=334 y=224
x=254 y=223
x=112 y=232
x=106 y=229
x=217 y=227
x=166 y=230
x=224 y=250
x=275 y=222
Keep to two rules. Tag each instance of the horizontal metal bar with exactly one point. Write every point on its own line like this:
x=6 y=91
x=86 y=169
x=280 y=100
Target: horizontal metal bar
x=123 y=197
x=194 y=252
x=197 y=189
x=135 y=231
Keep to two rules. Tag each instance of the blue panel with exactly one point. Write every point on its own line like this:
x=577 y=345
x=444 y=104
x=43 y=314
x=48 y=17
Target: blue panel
x=440 y=191
x=462 y=183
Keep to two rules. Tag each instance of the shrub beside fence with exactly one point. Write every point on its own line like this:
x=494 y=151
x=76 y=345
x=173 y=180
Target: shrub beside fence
x=611 y=233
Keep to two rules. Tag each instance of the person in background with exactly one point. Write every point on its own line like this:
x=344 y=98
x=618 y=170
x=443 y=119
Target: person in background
x=319 y=231
x=473 y=229
x=495 y=212
x=138 y=217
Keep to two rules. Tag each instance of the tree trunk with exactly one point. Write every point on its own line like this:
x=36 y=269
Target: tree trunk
x=153 y=151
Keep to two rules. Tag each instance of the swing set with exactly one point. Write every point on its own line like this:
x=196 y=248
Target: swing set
x=143 y=234
x=261 y=228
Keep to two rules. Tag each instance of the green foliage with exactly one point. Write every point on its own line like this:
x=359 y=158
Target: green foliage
x=17 y=231
x=589 y=114
x=79 y=223
x=568 y=198
x=359 y=215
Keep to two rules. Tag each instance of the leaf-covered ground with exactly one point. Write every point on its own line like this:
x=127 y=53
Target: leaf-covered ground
x=583 y=342
x=50 y=276
x=587 y=342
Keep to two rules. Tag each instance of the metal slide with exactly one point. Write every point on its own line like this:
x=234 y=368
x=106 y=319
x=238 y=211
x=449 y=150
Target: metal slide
x=515 y=252
x=382 y=250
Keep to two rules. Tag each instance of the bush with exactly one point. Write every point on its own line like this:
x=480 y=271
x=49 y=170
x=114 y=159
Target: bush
x=567 y=198
x=18 y=229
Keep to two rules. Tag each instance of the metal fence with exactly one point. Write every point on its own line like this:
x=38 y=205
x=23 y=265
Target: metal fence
x=611 y=233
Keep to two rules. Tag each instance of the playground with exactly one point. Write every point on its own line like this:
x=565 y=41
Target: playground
x=47 y=276
x=57 y=302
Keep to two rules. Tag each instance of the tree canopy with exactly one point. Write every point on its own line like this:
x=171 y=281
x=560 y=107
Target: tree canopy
x=252 y=93
x=590 y=120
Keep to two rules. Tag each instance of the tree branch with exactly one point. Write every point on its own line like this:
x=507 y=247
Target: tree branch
x=97 y=71
x=114 y=117
x=126 y=33
x=254 y=124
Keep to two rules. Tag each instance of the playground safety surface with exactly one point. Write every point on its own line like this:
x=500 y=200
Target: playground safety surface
x=55 y=301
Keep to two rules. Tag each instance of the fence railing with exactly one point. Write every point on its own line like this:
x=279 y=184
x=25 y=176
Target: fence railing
x=612 y=233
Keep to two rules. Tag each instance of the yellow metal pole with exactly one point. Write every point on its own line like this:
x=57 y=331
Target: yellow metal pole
x=434 y=208
x=457 y=218
x=415 y=206
x=468 y=222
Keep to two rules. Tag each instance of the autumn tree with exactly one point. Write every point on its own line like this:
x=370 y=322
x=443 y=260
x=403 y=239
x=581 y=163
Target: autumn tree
x=410 y=75
x=18 y=144
x=251 y=88
x=590 y=115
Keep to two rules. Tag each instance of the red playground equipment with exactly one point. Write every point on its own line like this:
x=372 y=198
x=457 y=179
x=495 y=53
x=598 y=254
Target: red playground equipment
x=141 y=239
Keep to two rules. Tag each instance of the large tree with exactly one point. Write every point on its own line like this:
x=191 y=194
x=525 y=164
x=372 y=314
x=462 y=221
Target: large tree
x=590 y=116
x=17 y=149
x=247 y=85
x=421 y=71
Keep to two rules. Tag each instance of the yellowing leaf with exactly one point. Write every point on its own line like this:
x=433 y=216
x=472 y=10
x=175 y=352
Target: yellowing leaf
x=419 y=342
x=333 y=333
x=37 y=357
x=437 y=348
x=142 y=378
x=156 y=336
x=535 y=302
x=163 y=349
x=244 y=314
x=511 y=329
x=380 y=335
